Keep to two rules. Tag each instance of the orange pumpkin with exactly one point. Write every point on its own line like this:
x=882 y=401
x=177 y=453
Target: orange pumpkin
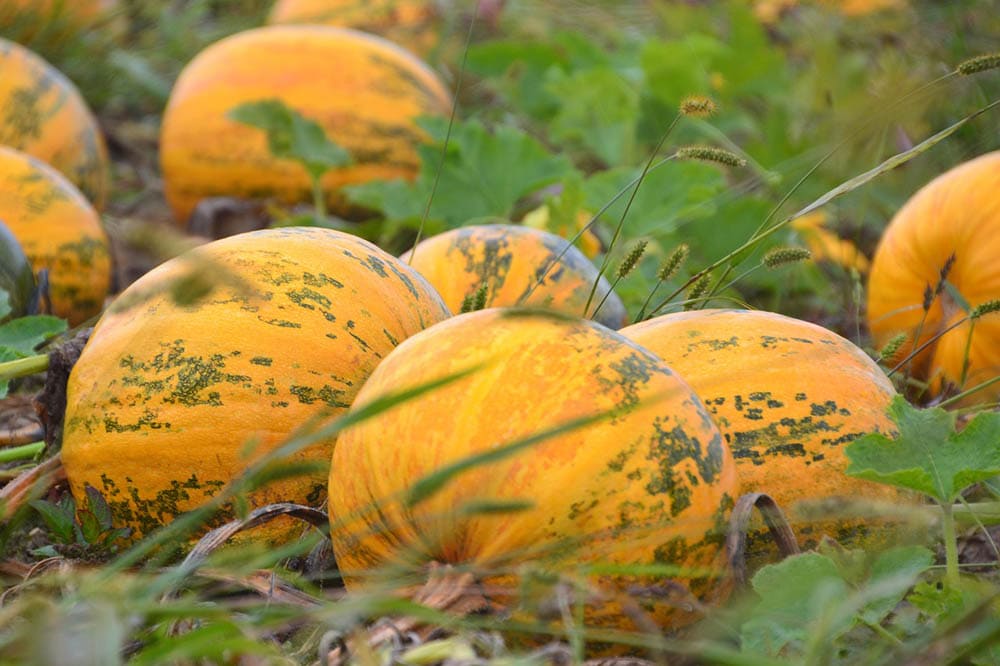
x=413 y=24
x=363 y=90
x=652 y=485
x=788 y=396
x=167 y=397
x=955 y=215
x=24 y=20
x=45 y=116
x=510 y=261
x=59 y=231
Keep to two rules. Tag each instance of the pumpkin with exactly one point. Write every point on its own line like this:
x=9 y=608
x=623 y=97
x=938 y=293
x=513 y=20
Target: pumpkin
x=364 y=91
x=31 y=16
x=59 y=231
x=45 y=116
x=167 y=395
x=510 y=260
x=788 y=396
x=16 y=278
x=651 y=485
x=413 y=24
x=955 y=215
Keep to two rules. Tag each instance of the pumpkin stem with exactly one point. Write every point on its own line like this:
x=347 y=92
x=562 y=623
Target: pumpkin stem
x=739 y=522
x=446 y=589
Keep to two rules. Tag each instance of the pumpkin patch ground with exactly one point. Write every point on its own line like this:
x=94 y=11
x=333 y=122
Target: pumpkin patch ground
x=402 y=332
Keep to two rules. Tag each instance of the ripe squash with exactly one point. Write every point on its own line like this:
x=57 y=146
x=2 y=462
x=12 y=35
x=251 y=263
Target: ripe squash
x=59 y=231
x=509 y=259
x=28 y=17
x=956 y=214
x=413 y=24
x=788 y=396
x=166 y=395
x=45 y=117
x=652 y=485
x=16 y=278
x=363 y=90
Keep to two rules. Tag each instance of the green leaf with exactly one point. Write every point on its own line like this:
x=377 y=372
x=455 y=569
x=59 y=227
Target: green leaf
x=674 y=194
x=519 y=70
x=893 y=573
x=794 y=594
x=938 y=601
x=290 y=135
x=59 y=518
x=90 y=526
x=484 y=174
x=929 y=456
x=599 y=112
x=24 y=334
x=97 y=505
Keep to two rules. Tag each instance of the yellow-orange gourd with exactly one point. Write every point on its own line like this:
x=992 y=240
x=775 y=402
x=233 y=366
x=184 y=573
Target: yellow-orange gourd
x=363 y=90
x=788 y=396
x=170 y=401
x=519 y=266
x=59 y=232
x=650 y=485
x=955 y=215
x=413 y=24
x=43 y=114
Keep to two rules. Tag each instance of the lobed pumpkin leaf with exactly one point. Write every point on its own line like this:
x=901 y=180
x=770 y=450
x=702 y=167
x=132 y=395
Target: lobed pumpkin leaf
x=483 y=175
x=291 y=135
x=24 y=334
x=794 y=595
x=929 y=456
x=820 y=596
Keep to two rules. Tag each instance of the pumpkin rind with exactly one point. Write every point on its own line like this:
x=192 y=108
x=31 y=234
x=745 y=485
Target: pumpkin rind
x=957 y=213
x=165 y=396
x=59 y=231
x=788 y=396
x=43 y=115
x=650 y=486
x=16 y=277
x=413 y=24
x=363 y=90
x=509 y=259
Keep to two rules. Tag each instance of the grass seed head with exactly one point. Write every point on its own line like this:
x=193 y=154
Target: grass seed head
x=782 y=256
x=697 y=290
x=978 y=64
x=697 y=106
x=631 y=260
x=673 y=262
x=711 y=154
x=985 y=308
x=892 y=347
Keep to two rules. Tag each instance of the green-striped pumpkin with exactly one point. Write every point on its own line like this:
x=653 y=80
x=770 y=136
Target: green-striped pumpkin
x=167 y=396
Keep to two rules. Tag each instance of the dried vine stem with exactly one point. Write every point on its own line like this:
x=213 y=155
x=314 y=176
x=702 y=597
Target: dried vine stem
x=739 y=521
x=446 y=589
x=31 y=483
x=220 y=535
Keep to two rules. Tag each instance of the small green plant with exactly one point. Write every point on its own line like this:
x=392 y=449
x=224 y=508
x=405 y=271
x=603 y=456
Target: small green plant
x=930 y=457
x=290 y=135
x=79 y=531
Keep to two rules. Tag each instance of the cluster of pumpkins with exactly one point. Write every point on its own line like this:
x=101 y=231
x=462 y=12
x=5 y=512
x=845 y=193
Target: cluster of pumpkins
x=628 y=444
